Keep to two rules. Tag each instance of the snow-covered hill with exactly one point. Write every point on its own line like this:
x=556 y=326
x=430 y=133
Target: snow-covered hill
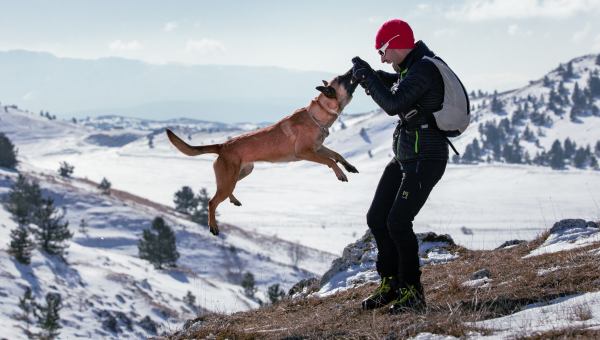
x=481 y=204
x=104 y=280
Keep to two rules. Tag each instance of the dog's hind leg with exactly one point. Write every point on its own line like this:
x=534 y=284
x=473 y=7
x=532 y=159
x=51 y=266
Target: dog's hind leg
x=226 y=173
x=337 y=157
x=246 y=170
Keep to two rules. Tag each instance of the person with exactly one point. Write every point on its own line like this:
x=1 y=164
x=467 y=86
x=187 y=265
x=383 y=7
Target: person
x=413 y=93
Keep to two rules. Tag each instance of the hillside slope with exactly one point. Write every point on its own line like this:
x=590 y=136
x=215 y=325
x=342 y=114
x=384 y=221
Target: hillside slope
x=544 y=288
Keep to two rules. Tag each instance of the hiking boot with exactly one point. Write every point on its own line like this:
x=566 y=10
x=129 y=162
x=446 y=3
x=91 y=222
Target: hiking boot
x=409 y=298
x=384 y=294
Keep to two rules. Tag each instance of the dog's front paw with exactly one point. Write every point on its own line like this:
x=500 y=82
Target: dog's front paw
x=342 y=177
x=214 y=230
x=350 y=168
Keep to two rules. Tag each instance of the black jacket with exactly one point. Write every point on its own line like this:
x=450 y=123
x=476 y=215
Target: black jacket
x=418 y=86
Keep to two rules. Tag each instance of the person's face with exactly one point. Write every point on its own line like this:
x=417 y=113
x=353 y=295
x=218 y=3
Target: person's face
x=394 y=56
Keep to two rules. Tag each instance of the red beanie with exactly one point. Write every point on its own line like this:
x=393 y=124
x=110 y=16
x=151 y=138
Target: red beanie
x=391 y=28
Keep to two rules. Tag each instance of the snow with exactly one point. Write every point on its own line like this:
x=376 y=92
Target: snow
x=103 y=273
x=567 y=239
x=576 y=311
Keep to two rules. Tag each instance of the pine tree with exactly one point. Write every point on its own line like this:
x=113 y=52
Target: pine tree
x=598 y=59
x=248 y=284
x=275 y=293
x=158 y=244
x=65 y=170
x=547 y=82
x=151 y=141
x=580 y=158
x=83 y=227
x=24 y=198
x=104 y=186
x=8 y=154
x=200 y=215
x=568 y=73
x=557 y=157
x=48 y=315
x=597 y=148
x=27 y=307
x=51 y=232
x=20 y=246
x=185 y=200
x=594 y=84
x=578 y=99
x=189 y=299
x=496 y=105
x=569 y=148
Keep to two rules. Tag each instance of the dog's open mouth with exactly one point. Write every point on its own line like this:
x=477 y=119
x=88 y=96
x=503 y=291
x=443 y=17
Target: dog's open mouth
x=348 y=82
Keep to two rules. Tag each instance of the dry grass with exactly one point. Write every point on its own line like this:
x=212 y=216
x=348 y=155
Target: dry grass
x=515 y=283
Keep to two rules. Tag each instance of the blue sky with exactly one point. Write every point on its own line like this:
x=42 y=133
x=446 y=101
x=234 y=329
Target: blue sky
x=490 y=44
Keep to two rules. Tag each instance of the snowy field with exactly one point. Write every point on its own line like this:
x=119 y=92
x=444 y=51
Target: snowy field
x=303 y=202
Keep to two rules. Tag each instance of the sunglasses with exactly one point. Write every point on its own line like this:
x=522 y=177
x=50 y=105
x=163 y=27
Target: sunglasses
x=384 y=47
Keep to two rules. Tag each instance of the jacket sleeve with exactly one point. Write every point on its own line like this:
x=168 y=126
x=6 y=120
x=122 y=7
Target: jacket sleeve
x=388 y=79
x=417 y=82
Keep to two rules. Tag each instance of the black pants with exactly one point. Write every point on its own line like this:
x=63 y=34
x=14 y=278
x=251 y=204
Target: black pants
x=401 y=192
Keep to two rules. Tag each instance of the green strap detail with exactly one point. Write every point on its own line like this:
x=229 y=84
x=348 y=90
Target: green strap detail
x=403 y=73
x=417 y=142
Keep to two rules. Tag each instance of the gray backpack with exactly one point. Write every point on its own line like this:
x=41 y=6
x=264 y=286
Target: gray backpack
x=454 y=117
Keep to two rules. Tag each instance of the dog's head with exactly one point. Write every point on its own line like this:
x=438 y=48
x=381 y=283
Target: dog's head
x=339 y=89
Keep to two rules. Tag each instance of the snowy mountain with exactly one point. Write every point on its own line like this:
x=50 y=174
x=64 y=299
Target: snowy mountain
x=102 y=277
x=481 y=204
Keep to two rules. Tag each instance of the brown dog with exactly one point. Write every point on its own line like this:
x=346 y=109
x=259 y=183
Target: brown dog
x=296 y=137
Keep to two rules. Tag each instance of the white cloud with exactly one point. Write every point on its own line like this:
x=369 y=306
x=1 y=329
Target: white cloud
x=515 y=30
x=120 y=45
x=582 y=35
x=424 y=7
x=205 y=46
x=481 y=10
x=444 y=33
x=170 y=26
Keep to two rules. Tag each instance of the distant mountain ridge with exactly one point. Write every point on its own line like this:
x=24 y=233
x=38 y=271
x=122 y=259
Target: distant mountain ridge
x=78 y=87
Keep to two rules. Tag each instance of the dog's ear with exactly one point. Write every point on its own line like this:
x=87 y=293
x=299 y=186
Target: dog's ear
x=325 y=82
x=328 y=91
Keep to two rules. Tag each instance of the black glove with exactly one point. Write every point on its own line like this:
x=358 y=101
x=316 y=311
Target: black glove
x=362 y=71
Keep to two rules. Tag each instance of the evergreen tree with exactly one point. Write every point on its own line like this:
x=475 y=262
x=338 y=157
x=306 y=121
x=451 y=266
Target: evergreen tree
x=51 y=232
x=83 y=227
x=248 y=284
x=104 y=186
x=528 y=135
x=8 y=154
x=185 y=200
x=557 y=157
x=578 y=99
x=580 y=158
x=200 y=214
x=472 y=152
x=594 y=163
x=598 y=59
x=597 y=148
x=48 y=315
x=20 y=246
x=547 y=82
x=158 y=244
x=568 y=73
x=594 y=84
x=24 y=198
x=190 y=299
x=563 y=92
x=151 y=141
x=275 y=293
x=65 y=170
x=569 y=148
x=27 y=307
x=496 y=105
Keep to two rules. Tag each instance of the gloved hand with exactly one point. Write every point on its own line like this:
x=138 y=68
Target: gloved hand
x=361 y=71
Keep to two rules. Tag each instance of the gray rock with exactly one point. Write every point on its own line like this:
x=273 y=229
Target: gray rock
x=480 y=274
x=511 y=243
x=301 y=285
x=567 y=224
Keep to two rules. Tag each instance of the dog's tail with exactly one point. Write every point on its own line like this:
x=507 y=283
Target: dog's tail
x=189 y=149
